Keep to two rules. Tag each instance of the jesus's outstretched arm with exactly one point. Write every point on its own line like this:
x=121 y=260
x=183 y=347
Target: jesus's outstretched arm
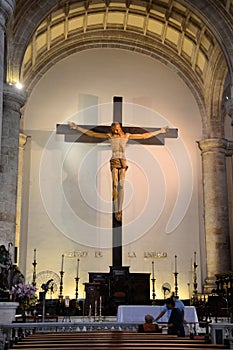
x=148 y=135
x=91 y=133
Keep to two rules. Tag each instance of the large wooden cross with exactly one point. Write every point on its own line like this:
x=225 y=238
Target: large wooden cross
x=76 y=136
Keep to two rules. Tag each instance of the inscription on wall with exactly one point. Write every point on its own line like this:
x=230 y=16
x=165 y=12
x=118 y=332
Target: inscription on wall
x=155 y=255
x=100 y=254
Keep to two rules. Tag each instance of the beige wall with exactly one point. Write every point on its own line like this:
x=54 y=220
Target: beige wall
x=68 y=181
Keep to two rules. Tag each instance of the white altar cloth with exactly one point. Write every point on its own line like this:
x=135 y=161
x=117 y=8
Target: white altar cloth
x=136 y=313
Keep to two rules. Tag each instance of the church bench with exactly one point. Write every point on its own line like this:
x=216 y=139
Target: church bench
x=111 y=341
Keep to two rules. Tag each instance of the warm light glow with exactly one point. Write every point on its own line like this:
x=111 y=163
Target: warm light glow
x=19 y=85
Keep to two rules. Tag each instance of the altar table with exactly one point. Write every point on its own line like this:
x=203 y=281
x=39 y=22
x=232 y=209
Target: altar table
x=136 y=313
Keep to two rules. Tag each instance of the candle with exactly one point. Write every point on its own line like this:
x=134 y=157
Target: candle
x=34 y=255
x=67 y=301
x=175 y=264
x=83 y=308
x=62 y=262
x=100 y=311
x=77 y=267
x=153 y=269
x=95 y=307
x=89 y=310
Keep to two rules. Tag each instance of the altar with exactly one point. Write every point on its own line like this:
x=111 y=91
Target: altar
x=136 y=313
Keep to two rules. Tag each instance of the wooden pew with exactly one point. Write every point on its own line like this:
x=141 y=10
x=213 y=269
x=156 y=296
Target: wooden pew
x=111 y=341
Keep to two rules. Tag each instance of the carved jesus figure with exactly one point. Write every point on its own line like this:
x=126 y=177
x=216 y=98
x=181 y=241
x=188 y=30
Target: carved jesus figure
x=118 y=164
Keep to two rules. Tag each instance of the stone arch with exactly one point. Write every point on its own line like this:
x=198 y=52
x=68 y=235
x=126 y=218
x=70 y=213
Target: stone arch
x=174 y=32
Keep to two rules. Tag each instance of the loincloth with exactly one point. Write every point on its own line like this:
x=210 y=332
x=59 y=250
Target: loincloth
x=118 y=163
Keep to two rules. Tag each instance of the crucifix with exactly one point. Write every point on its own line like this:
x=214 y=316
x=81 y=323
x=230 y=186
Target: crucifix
x=118 y=138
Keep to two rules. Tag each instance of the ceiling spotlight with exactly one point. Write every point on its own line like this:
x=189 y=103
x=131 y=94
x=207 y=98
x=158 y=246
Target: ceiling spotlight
x=19 y=85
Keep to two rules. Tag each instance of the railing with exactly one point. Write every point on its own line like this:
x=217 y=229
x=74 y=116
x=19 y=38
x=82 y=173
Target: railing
x=222 y=333
x=11 y=333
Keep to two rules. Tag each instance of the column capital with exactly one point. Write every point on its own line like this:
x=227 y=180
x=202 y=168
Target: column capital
x=229 y=148
x=213 y=145
x=13 y=97
x=6 y=11
x=22 y=140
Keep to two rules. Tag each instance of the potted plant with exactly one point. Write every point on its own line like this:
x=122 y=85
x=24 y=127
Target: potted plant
x=25 y=295
x=9 y=276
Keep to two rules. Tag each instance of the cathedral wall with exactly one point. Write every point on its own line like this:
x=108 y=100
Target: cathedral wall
x=69 y=209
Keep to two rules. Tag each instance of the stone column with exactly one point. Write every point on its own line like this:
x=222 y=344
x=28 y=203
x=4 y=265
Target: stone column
x=18 y=237
x=6 y=11
x=229 y=106
x=229 y=111
x=216 y=216
x=13 y=100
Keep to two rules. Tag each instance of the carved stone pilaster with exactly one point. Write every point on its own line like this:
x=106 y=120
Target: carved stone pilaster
x=6 y=11
x=13 y=100
x=216 y=215
x=229 y=107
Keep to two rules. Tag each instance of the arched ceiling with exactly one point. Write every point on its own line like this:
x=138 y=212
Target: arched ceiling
x=193 y=37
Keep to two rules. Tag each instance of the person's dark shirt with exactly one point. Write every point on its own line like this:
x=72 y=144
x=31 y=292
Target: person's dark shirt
x=177 y=323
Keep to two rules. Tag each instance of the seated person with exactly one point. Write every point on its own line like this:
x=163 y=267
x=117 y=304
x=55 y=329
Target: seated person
x=148 y=326
x=175 y=322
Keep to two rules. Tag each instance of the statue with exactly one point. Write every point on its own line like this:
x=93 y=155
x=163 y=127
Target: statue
x=118 y=164
x=5 y=268
x=10 y=274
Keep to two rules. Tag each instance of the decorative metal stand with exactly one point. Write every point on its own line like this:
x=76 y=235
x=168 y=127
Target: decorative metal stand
x=176 y=284
x=34 y=273
x=76 y=288
x=77 y=279
x=100 y=311
x=189 y=294
x=153 y=290
x=194 y=277
x=76 y=293
x=89 y=313
x=153 y=283
x=61 y=286
x=95 y=312
x=176 y=275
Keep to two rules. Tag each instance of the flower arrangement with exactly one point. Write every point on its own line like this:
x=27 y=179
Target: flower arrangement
x=25 y=294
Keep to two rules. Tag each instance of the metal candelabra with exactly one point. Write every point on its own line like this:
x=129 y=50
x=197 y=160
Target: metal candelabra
x=100 y=310
x=34 y=269
x=176 y=275
x=34 y=273
x=153 y=290
x=76 y=288
x=153 y=283
x=76 y=293
x=61 y=286
x=176 y=284
x=194 y=279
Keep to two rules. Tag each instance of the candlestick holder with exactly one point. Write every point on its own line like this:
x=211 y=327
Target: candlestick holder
x=100 y=314
x=34 y=273
x=89 y=313
x=76 y=293
x=189 y=294
x=95 y=312
x=60 y=297
x=153 y=290
x=194 y=280
x=176 y=284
